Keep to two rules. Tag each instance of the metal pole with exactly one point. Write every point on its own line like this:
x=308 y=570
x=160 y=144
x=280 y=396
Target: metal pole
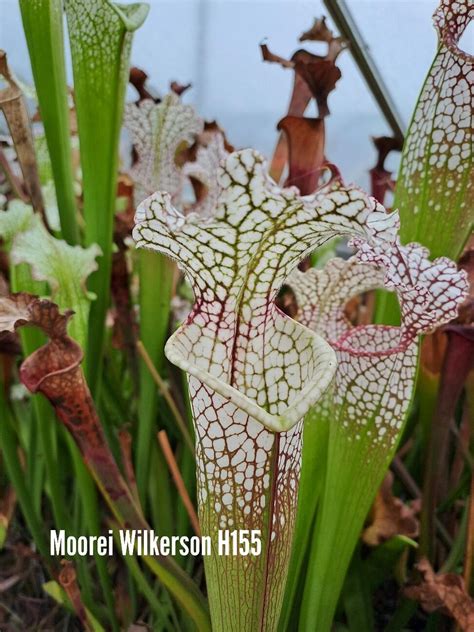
x=342 y=17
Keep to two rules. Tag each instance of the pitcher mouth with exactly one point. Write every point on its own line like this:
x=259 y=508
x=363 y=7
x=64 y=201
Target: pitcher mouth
x=380 y=341
x=325 y=363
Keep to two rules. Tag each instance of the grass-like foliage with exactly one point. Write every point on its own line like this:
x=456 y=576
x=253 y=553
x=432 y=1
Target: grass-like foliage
x=193 y=342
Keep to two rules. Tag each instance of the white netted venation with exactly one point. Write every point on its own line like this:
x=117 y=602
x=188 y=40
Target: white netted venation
x=158 y=130
x=204 y=170
x=376 y=363
x=254 y=372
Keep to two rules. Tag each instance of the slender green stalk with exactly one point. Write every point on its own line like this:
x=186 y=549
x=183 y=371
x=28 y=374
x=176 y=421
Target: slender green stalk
x=35 y=466
x=187 y=467
x=143 y=585
x=402 y=616
x=43 y=26
x=315 y=441
x=427 y=391
x=48 y=442
x=17 y=477
x=160 y=494
x=54 y=590
x=156 y=282
x=90 y=508
x=356 y=596
x=191 y=600
x=469 y=555
x=457 y=552
x=165 y=392
x=31 y=339
x=101 y=34
x=338 y=527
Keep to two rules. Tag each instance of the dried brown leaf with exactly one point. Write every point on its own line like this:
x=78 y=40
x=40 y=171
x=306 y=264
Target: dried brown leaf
x=305 y=139
x=138 y=79
x=16 y=115
x=179 y=88
x=380 y=178
x=321 y=77
x=68 y=580
x=443 y=592
x=390 y=517
x=267 y=55
x=320 y=32
x=314 y=76
x=54 y=370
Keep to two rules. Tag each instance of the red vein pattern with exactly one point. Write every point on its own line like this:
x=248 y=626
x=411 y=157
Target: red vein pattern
x=377 y=363
x=253 y=372
x=366 y=406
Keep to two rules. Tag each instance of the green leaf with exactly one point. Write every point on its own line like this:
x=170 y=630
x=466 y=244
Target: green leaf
x=17 y=218
x=383 y=559
x=43 y=26
x=65 y=268
x=357 y=598
x=313 y=468
x=372 y=391
x=100 y=34
x=54 y=590
x=435 y=187
x=16 y=474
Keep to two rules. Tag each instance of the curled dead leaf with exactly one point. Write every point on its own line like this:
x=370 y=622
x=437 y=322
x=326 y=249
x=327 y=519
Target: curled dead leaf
x=380 y=178
x=305 y=139
x=267 y=55
x=54 y=370
x=68 y=580
x=444 y=592
x=138 y=79
x=16 y=115
x=389 y=517
x=314 y=76
x=319 y=74
x=179 y=88
x=321 y=77
x=320 y=32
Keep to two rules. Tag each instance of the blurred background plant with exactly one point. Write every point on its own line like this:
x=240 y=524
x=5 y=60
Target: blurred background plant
x=68 y=181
